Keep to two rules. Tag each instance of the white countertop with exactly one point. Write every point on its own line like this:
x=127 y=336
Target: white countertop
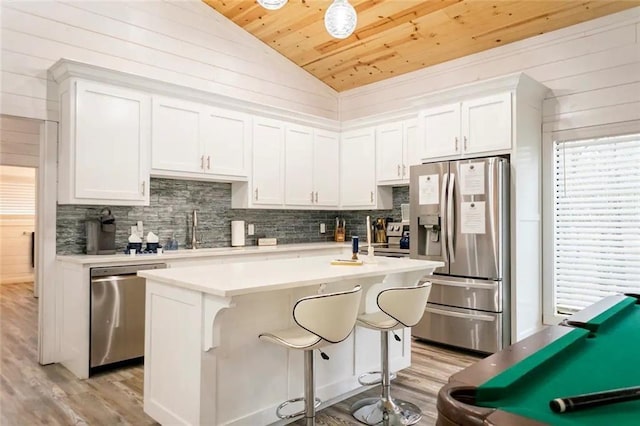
x=234 y=279
x=123 y=259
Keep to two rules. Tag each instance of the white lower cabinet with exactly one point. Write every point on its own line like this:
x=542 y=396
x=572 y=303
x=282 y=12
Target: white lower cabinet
x=104 y=144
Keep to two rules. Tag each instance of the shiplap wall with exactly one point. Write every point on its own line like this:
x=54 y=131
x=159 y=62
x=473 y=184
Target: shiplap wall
x=19 y=141
x=182 y=42
x=592 y=69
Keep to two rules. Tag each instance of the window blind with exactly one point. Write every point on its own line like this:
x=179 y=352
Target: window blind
x=596 y=220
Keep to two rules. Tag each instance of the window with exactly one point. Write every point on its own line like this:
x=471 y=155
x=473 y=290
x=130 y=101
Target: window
x=17 y=191
x=596 y=226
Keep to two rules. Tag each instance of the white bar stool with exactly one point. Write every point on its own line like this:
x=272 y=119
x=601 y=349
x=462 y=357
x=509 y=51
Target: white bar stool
x=399 y=307
x=321 y=320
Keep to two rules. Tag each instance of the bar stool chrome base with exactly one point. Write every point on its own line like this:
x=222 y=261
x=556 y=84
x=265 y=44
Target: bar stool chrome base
x=390 y=412
x=318 y=402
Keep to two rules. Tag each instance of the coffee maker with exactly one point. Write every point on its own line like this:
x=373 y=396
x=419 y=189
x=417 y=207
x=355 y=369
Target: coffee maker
x=101 y=234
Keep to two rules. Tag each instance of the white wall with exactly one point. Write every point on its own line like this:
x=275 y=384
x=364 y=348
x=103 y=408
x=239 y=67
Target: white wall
x=182 y=42
x=592 y=69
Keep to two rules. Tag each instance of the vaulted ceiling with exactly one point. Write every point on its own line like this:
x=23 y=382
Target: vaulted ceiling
x=394 y=37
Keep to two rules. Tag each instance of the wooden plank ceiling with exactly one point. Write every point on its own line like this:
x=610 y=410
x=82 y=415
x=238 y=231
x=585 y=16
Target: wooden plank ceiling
x=394 y=37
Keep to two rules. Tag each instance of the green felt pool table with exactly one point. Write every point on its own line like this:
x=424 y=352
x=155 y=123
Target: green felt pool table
x=594 y=350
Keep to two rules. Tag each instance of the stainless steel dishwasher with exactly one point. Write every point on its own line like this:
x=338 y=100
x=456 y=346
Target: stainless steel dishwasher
x=117 y=313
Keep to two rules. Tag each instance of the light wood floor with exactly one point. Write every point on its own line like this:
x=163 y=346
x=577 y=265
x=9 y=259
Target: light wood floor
x=31 y=394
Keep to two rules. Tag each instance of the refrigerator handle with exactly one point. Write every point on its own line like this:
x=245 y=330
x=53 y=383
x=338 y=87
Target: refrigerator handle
x=443 y=207
x=450 y=219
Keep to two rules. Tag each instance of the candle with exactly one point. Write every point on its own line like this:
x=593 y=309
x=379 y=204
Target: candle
x=368 y=231
x=354 y=245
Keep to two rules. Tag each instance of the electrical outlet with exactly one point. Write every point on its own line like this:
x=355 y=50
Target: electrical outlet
x=140 y=229
x=323 y=228
x=251 y=229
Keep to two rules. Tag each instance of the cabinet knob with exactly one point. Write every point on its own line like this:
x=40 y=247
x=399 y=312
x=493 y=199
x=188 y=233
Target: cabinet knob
x=372 y=196
x=312 y=196
x=404 y=170
x=398 y=170
x=456 y=143
x=256 y=194
x=202 y=162
x=316 y=196
x=465 y=143
x=144 y=184
x=208 y=162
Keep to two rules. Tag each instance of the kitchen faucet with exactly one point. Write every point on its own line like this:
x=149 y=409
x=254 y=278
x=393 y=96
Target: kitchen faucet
x=194 y=229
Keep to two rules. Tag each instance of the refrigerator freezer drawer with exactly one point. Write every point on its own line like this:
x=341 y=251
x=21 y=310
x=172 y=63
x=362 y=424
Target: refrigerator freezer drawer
x=467 y=293
x=464 y=328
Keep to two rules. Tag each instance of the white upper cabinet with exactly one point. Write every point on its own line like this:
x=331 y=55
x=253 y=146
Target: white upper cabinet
x=104 y=144
x=175 y=135
x=226 y=138
x=358 y=168
x=397 y=148
x=475 y=126
x=389 y=156
x=486 y=124
x=440 y=131
x=411 y=148
x=311 y=167
x=199 y=141
x=326 y=168
x=299 y=189
x=268 y=162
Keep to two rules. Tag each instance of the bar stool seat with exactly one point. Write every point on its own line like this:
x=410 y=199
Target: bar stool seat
x=400 y=307
x=321 y=320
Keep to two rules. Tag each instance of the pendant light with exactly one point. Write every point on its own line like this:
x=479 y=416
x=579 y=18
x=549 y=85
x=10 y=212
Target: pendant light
x=340 y=19
x=272 y=4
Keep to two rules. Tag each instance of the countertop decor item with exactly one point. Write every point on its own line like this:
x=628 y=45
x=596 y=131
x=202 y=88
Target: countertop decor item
x=354 y=247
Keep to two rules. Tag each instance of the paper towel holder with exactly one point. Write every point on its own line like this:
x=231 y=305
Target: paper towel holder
x=237 y=233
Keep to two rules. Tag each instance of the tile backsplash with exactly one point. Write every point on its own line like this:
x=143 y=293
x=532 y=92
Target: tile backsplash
x=173 y=201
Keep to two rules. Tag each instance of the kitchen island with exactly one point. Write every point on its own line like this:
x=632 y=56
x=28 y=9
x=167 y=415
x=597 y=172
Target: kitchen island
x=204 y=363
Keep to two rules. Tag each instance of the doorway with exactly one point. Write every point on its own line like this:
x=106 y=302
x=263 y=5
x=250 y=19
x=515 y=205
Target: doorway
x=17 y=224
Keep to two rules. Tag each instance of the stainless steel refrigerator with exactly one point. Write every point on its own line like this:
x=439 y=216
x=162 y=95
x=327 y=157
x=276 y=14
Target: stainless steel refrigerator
x=460 y=216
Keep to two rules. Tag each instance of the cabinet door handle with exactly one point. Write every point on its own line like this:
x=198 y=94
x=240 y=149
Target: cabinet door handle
x=316 y=196
x=465 y=143
x=456 y=143
x=202 y=162
x=398 y=170
x=372 y=196
x=144 y=187
x=312 y=196
x=208 y=162
x=256 y=194
x=404 y=170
